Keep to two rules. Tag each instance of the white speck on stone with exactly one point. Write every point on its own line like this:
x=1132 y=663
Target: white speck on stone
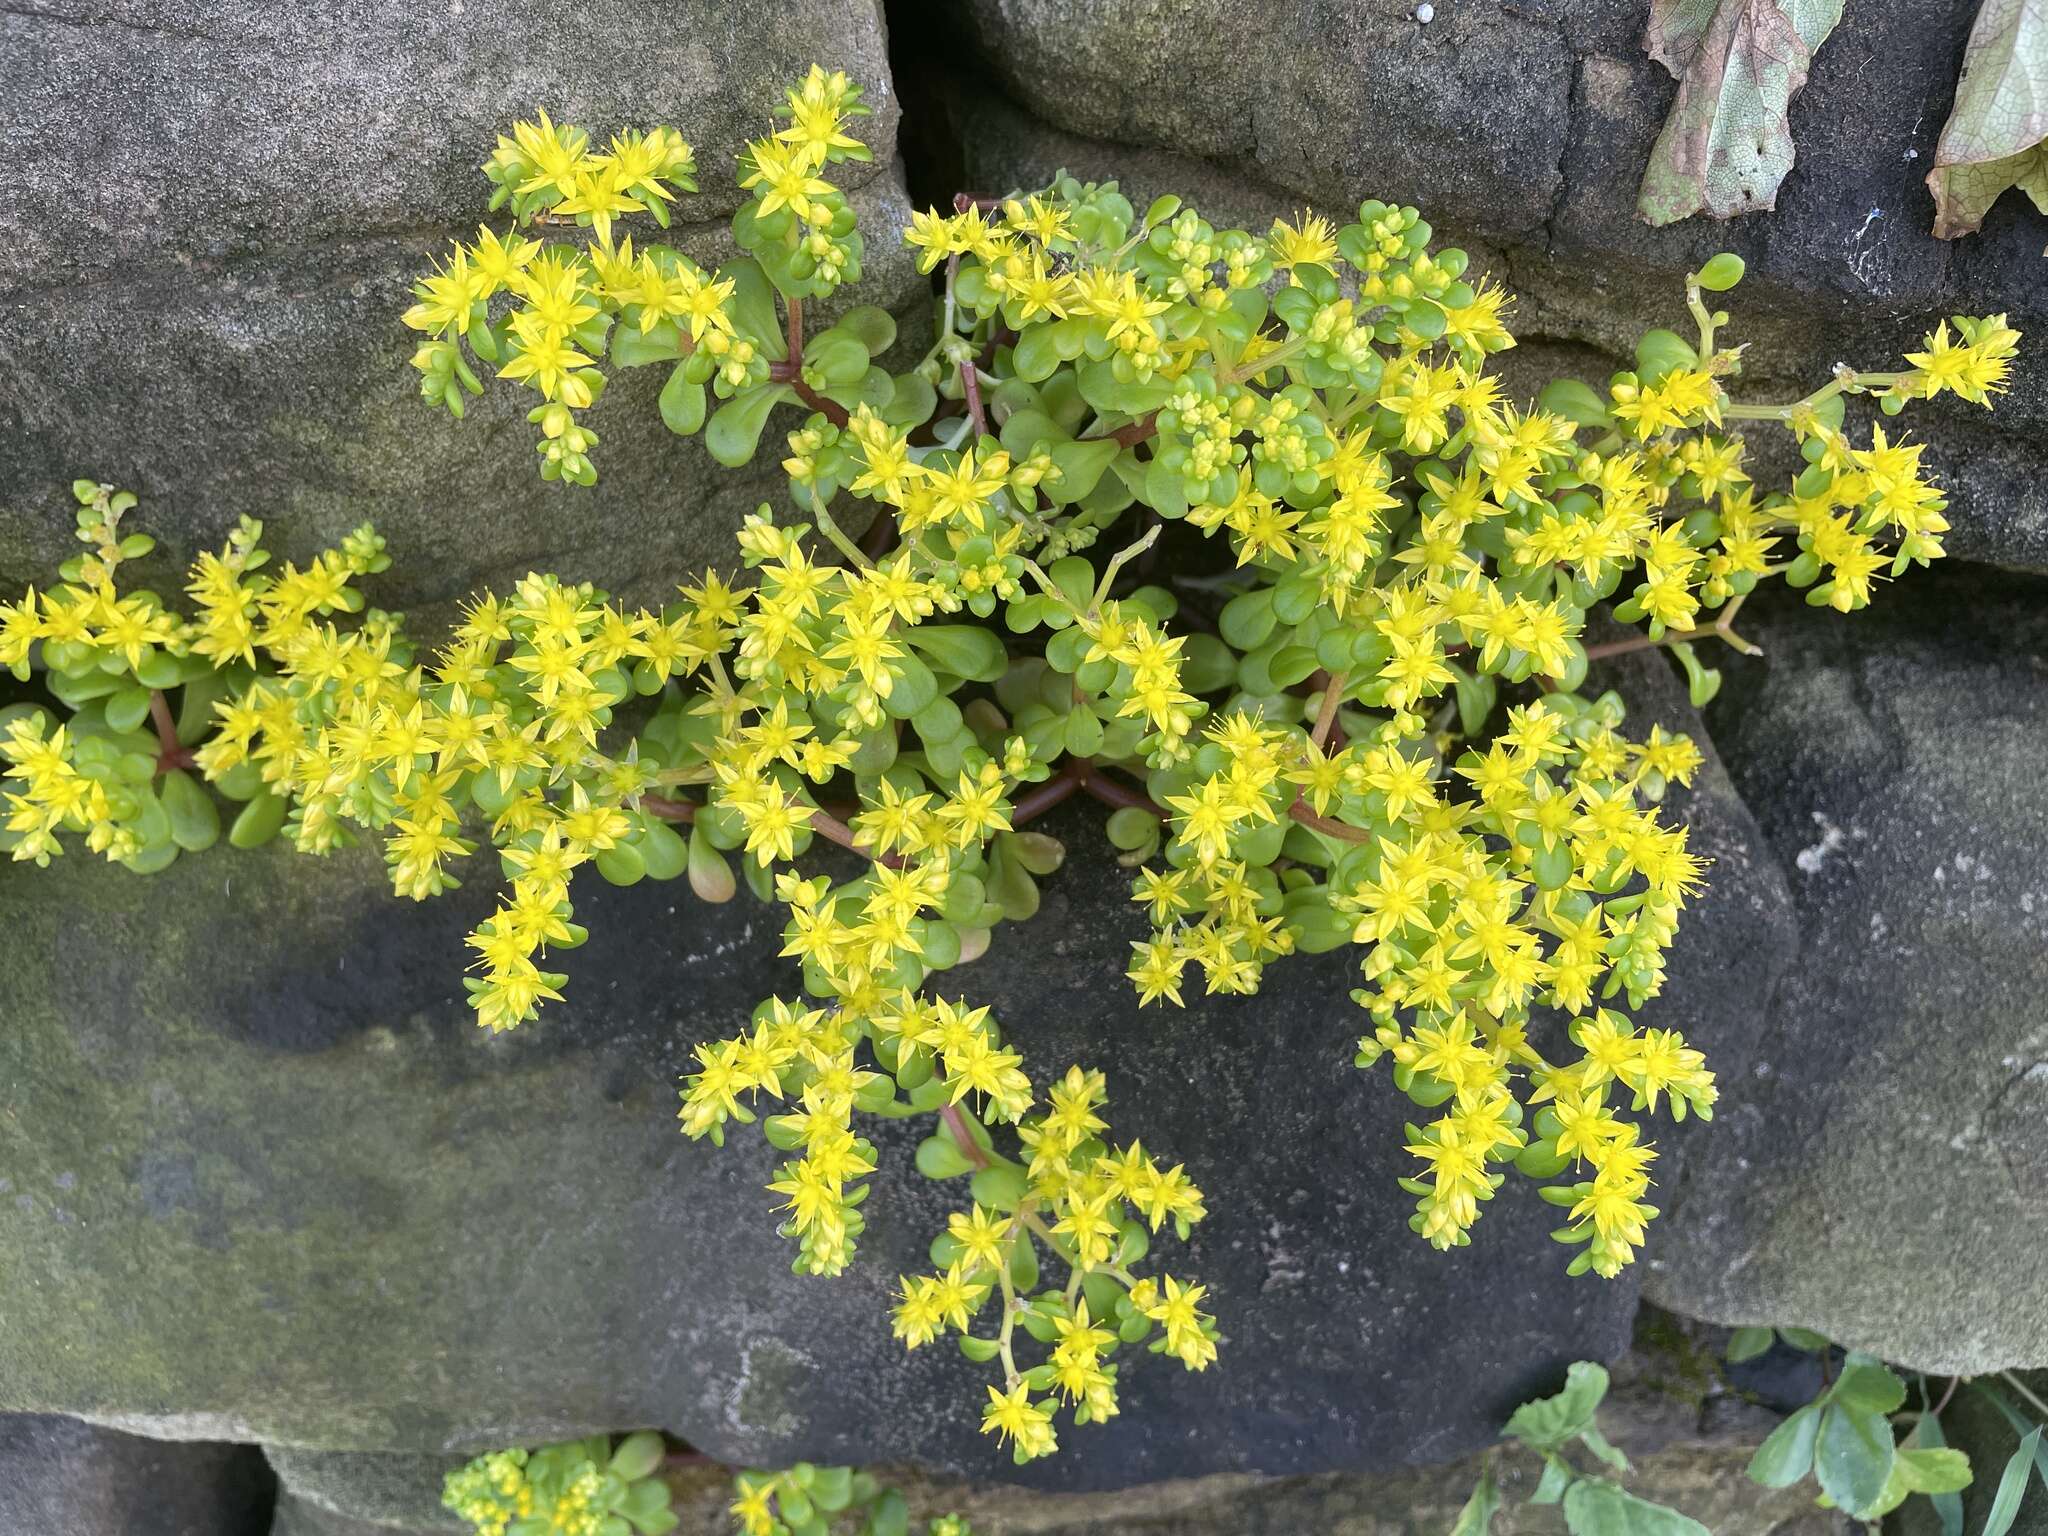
x=746 y=936
x=1425 y=13
x=1811 y=859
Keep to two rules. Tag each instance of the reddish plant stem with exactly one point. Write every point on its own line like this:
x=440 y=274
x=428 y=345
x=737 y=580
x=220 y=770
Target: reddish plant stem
x=1333 y=695
x=1300 y=812
x=790 y=370
x=1111 y=793
x=1035 y=802
x=964 y=1138
x=824 y=823
x=1136 y=431
x=169 y=754
x=970 y=384
x=1001 y=336
x=832 y=410
x=1623 y=647
x=1079 y=775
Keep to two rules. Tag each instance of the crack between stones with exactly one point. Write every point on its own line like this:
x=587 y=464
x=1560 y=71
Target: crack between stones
x=1574 y=100
x=87 y=23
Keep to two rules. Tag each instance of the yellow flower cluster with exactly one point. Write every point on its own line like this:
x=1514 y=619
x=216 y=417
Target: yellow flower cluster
x=491 y=1492
x=577 y=1488
x=54 y=795
x=815 y=1498
x=1540 y=883
x=656 y=304
x=1093 y=1207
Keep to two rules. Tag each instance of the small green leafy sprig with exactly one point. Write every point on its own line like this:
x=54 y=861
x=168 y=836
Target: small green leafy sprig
x=1848 y=1438
x=808 y=1500
x=1595 y=1504
x=577 y=1488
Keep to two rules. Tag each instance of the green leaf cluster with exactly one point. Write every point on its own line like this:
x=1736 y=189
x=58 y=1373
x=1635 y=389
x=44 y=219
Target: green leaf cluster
x=584 y=1486
x=1594 y=1504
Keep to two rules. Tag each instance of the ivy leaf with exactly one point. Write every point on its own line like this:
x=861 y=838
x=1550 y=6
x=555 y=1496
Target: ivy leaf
x=1726 y=145
x=1595 y=1507
x=1854 y=1457
x=1476 y=1518
x=1787 y=1454
x=1994 y=135
x=1948 y=1507
x=1870 y=1388
x=1744 y=1343
x=1550 y=1421
x=1933 y=1469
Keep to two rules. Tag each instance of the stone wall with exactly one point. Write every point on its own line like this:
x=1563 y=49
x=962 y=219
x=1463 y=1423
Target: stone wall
x=260 y=1179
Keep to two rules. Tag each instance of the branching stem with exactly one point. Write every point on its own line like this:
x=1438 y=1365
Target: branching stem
x=1846 y=381
x=169 y=754
x=1326 y=718
x=829 y=526
x=1723 y=629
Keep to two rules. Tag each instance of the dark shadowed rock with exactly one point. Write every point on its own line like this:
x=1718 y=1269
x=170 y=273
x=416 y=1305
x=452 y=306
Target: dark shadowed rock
x=215 y=216
x=362 y=1493
x=1881 y=1174
x=1687 y=1437
x=59 y=1477
x=1522 y=132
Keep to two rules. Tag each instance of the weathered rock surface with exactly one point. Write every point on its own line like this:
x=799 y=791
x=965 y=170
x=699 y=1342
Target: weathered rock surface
x=215 y=213
x=1522 y=132
x=1687 y=1435
x=268 y=1182
x=1881 y=1174
x=362 y=1493
x=59 y=1477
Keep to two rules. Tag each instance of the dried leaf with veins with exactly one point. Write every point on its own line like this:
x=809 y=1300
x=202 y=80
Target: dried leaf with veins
x=1994 y=137
x=1727 y=145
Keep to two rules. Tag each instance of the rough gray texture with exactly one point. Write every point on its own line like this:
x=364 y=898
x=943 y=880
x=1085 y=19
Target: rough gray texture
x=215 y=213
x=59 y=1477
x=1521 y=131
x=1687 y=1436
x=361 y=1493
x=1881 y=1175
x=364 y=1226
